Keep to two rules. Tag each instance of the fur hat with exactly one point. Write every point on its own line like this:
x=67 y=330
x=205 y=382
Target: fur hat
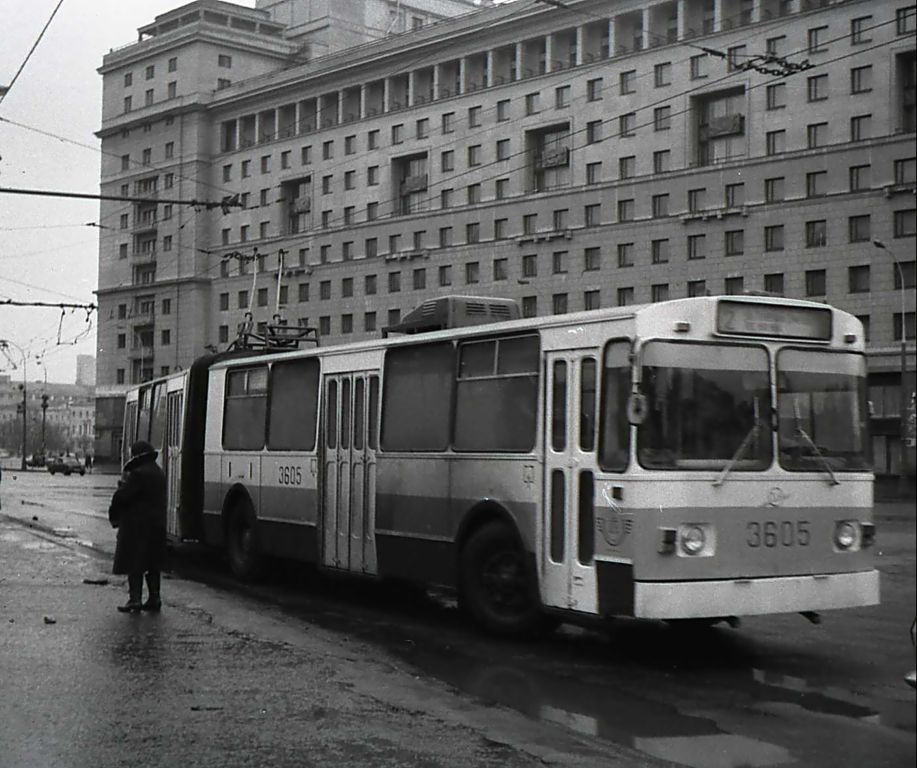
x=142 y=448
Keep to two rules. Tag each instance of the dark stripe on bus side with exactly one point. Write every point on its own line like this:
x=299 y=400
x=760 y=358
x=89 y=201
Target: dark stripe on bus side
x=616 y=588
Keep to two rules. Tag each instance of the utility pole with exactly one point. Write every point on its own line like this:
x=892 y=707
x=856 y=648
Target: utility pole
x=44 y=413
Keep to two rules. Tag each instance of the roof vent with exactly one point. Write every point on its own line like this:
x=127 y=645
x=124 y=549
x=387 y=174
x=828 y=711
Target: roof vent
x=455 y=312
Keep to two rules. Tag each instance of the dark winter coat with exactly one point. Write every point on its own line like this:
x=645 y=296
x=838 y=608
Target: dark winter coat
x=138 y=511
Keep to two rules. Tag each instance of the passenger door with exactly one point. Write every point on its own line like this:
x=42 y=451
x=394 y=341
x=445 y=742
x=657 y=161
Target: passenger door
x=351 y=406
x=171 y=461
x=568 y=520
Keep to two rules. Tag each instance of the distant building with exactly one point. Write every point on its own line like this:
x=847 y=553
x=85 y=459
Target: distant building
x=69 y=419
x=86 y=370
x=605 y=153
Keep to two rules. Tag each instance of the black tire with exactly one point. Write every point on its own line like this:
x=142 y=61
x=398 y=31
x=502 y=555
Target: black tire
x=51 y=471
x=242 y=541
x=497 y=585
x=66 y=473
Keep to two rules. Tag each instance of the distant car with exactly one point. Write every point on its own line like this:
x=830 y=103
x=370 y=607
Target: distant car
x=35 y=460
x=67 y=465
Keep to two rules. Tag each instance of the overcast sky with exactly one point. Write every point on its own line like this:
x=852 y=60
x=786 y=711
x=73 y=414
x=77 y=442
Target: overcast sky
x=46 y=251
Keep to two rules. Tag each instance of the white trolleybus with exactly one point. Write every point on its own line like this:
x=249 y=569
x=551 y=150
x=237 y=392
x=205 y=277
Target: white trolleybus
x=701 y=459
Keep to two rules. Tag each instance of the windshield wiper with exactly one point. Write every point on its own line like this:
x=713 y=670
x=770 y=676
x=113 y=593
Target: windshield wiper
x=750 y=438
x=811 y=443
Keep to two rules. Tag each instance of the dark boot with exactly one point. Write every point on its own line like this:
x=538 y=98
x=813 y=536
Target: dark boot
x=135 y=591
x=153 y=603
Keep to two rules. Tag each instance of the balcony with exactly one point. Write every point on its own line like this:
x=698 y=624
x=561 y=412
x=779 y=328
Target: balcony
x=728 y=125
x=301 y=204
x=417 y=183
x=552 y=158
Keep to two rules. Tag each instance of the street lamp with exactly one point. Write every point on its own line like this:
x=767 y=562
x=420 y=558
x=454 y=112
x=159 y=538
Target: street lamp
x=903 y=403
x=5 y=344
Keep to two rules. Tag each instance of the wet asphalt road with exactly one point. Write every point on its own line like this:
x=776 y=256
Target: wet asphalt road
x=778 y=691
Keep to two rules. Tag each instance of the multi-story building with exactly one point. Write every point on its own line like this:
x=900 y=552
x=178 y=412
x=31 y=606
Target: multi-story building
x=602 y=153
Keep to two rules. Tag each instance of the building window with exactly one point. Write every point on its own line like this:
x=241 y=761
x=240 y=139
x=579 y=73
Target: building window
x=660 y=206
x=860 y=177
x=816 y=135
x=501 y=187
x=662 y=118
x=421 y=128
x=398 y=133
x=697 y=200
x=369 y=322
x=474 y=194
x=592 y=215
x=472 y=232
x=503 y=112
x=500 y=269
x=734 y=195
x=659 y=292
x=906 y=171
x=697 y=247
x=699 y=66
x=859 y=30
x=816 y=280
x=500 y=226
x=816 y=233
x=628 y=82
x=733 y=286
x=593 y=131
x=447 y=161
x=448 y=122
x=592 y=300
x=773 y=283
x=775 y=142
x=592 y=259
x=502 y=150
x=697 y=288
x=562 y=97
x=594 y=89
x=370 y=285
x=531 y=103
x=662 y=160
x=909 y=273
x=662 y=74
x=474 y=117
x=858 y=279
x=372 y=139
x=817 y=37
x=559 y=303
x=627 y=124
x=861 y=79
x=904 y=223
x=909 y=325
x=660 y=251
x=776 y=96
x=818 y=88
x=530 y=265
x=625 y=210
x=860 y=127
x=816 y=184
x=394 y=282
x=627 y=167
x=529 y=306
x=127 y=103
x=419 y=279
x=474 y=155
x=904 y=20
x=734 y=242
x=559 y=262
x=859 y=229
x=625 y=254
x=774 y=189
x=593 y=172
x=224 y=61
x=472 y=272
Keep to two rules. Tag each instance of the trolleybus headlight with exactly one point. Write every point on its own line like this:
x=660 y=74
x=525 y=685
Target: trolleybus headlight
x=845 y=534
x=693 y=539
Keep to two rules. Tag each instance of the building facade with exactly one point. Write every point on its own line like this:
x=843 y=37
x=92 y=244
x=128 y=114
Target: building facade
x=605 y=153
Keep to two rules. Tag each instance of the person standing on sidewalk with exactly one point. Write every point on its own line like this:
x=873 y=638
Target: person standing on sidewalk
x=138 y=511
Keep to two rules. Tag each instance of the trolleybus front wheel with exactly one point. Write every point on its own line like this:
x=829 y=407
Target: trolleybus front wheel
x=242 y=541
x=497 y=587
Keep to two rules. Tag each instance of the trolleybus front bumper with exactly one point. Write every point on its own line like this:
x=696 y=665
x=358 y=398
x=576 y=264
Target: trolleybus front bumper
x=749 y=597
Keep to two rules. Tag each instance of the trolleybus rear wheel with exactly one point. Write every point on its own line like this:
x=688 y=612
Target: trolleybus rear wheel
x=497 y=587
x=242 y=541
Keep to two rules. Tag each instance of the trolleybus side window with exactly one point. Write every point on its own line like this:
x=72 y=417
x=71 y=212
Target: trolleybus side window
x=417 y=400
x=143 y=414
x=497 y=395
x=245 y=410
x=614 y=437
x=707 y=407
x=373 y=436
x=293 y=405
x=158 y=415
x=822 y=411
x=587 y=404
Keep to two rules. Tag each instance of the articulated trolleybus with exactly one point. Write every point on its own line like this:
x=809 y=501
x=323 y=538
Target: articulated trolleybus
x=698 y=459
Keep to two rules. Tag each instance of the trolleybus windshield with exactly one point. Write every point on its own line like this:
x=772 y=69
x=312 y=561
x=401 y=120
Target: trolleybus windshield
x=823 y=416
x=706 y=406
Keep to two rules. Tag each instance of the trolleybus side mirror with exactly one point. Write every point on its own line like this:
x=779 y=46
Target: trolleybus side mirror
x=636 y=408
